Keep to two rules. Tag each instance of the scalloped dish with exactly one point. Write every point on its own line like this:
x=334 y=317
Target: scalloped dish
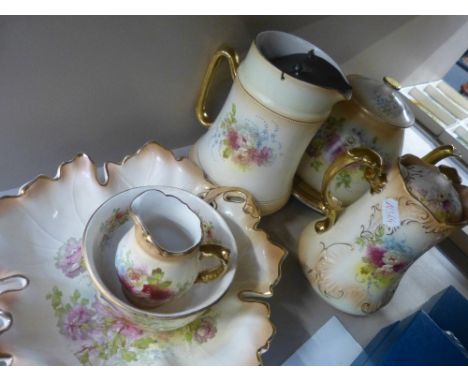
x=59 y=321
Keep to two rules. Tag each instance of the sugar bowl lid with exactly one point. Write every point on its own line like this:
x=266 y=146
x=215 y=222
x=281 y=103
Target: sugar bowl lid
x=382 y=100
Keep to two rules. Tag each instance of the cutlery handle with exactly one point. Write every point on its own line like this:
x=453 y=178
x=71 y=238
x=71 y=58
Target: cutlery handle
x=373 y=164
x=233 y=60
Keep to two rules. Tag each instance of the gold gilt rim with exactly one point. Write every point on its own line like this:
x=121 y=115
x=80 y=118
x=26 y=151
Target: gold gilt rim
x=264 y=348
x=250 y=207
x=155 y=248
x=253 y=212
x=116 y=301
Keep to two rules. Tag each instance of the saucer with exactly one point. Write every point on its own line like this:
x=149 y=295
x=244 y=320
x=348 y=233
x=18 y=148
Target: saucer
x=59 y=319
x=110 y=222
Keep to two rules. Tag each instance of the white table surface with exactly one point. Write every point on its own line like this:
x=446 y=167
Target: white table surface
x=297 y=312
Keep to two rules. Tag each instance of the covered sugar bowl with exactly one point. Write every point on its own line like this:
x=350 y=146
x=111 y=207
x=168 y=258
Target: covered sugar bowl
x=374 y=118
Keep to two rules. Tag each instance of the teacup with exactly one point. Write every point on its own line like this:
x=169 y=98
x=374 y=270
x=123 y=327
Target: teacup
x=103 y=233
x=162 y=255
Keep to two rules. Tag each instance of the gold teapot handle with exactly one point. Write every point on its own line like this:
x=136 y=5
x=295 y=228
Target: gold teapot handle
x=373 y=164
x=222 y=254
x=233 y=60
x=440 y=153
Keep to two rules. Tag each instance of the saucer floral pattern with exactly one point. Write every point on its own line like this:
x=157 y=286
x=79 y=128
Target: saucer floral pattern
x=55 y=210
x=70 y=259
x=246 y=144
x=97 y=334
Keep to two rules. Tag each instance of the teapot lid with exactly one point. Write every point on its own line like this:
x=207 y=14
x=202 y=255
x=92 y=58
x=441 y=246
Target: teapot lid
x=382 y=99
x=433 y=188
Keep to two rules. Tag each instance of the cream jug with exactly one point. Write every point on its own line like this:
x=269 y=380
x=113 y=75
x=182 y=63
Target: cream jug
x=282 y=92
x=355 y=259
x=162 y=256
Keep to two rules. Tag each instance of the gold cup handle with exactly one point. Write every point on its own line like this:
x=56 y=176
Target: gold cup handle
x=222 y=254
x=373 y=173
x=233 y=60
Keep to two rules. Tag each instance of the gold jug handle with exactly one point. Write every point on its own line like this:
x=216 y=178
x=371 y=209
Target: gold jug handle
x=440 y=153
x=374 y=174
x=233 y=60
x=222 y=254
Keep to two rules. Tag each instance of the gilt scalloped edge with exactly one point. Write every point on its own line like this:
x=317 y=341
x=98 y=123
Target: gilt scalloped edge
x=250 y=208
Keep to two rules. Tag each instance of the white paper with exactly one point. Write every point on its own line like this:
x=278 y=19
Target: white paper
x=331 y=345
x=390 y=213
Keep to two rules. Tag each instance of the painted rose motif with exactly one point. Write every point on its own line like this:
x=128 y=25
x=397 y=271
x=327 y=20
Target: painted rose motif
x=156 y=288
x=386 y=258
x=119 y=324
x=335 y=137
x=148 y=284
x=116 y=220
x=208 y=233
x=365 y=271
x=246 y=144
x=76 y=322
x=206 y=330
x=99 y=335
x=69 y=258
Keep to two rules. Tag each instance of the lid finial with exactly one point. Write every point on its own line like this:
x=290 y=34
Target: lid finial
x=393 y=83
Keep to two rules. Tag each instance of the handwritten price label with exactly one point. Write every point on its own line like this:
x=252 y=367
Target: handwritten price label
x=390 y=213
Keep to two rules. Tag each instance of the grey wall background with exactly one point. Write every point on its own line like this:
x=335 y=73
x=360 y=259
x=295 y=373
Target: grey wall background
x=105 y=85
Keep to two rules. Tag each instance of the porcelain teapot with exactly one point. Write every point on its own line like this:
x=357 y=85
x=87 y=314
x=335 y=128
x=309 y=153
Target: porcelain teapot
x=354 y=259
x=282 y=92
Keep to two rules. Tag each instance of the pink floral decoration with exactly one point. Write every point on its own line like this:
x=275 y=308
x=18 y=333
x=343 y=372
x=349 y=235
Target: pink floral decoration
x=206 y=330
x=69 y=258
x=76 y=322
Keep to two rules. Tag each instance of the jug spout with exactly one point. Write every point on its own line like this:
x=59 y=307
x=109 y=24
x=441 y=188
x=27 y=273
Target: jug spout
x=156 y=221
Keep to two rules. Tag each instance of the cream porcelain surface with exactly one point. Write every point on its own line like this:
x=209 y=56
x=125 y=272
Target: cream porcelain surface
x=374 y=118
x=357 y=263
x=258 y=138
x=100 y=258
x=58 y=319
